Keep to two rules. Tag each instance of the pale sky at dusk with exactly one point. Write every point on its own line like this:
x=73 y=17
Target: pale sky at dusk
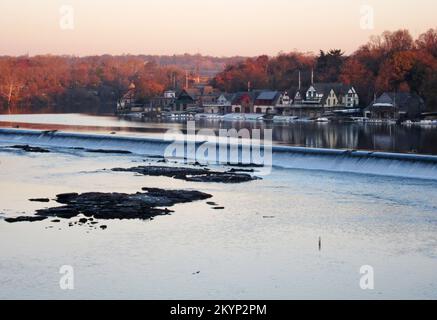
x=214 y=27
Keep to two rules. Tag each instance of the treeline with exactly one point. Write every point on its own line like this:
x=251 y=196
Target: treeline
x=92 y=84
x=393 y=61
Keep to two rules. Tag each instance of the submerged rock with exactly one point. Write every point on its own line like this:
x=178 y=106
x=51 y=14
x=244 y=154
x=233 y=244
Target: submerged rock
x=190 y=174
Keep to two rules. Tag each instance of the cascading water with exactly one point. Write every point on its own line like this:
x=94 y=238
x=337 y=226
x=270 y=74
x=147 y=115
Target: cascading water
x=360 y=162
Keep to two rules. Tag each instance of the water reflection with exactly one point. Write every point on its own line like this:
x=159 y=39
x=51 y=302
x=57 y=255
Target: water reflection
x=391 y=138
x=378 y=137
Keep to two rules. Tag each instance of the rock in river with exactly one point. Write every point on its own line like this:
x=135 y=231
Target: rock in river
x=28 y=148
x=190 y=174
x=140 y=205
x=25 y=219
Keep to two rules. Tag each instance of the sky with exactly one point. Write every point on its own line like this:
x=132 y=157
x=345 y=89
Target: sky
x=210 y=27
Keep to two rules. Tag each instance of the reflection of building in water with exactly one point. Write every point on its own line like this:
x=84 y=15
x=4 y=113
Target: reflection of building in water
x=318 y=135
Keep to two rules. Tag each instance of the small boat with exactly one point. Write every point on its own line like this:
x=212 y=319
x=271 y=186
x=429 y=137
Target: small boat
x=322 y=119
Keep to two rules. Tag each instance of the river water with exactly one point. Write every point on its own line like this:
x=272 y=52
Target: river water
x=380 y=137
x=263 y=245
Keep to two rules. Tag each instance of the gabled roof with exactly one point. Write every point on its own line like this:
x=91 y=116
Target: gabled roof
x=236 y=98
x=268 y=95
x=402 y=100
x=326 y=87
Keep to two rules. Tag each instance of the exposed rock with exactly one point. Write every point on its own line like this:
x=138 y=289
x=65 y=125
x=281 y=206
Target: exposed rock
x=116 y=205
x=66 y=197
x=189 y=174
x=28 y=148
x=103 y=227
x=241 y=170
x=218 y=208
x=221 y=177
x=25 y=219
x=40 y=200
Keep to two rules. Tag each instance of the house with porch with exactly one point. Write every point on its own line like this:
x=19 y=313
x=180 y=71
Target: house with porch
x=127 y=101
x=242 y=102
x=187 y=101
x=322 y=98
x=266 y=101
x=222 y=105
x=396 y=106
x=165 y=102
x=329 y=95
x=283 y=104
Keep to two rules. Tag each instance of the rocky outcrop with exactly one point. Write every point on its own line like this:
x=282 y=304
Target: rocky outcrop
x=190 y=174
x=140 y=205
x=25 y=219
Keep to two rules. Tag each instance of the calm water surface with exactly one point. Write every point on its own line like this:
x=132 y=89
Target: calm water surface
x=392 y=138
